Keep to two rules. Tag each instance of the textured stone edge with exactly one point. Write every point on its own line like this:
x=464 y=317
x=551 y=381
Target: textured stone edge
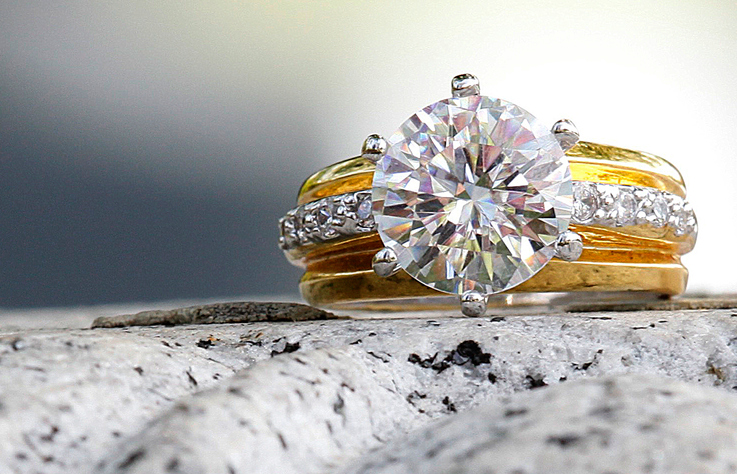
x=691 y=302
x=238 y=312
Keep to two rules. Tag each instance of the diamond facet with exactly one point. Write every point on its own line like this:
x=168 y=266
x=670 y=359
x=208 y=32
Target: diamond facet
x=472 y=194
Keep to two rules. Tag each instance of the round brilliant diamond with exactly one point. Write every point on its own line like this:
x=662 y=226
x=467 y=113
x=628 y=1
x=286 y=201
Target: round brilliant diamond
x=472 y=194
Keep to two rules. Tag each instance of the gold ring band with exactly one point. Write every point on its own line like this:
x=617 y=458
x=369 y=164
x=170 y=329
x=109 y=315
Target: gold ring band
x=637 y=256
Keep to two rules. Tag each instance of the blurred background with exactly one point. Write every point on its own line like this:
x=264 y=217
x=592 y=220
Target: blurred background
x=148 y=148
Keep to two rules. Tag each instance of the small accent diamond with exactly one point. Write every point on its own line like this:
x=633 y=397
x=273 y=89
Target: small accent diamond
x=363 y=210
x=626 y=208
x=585 y=201
x=325 y=219
x=659 y=214
x=607 y=212
x=682 y=218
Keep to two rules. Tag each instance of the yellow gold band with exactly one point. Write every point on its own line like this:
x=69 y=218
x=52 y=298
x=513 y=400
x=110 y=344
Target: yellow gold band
x=641 y=257
x=589 y=162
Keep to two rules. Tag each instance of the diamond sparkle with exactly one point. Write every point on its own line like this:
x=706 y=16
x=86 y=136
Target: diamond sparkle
x=472 y=194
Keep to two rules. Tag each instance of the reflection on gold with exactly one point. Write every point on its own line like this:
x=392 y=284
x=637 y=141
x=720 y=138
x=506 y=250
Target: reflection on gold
x=589 y=162
x=634 y=258
x=630 y=239
x=330 y=289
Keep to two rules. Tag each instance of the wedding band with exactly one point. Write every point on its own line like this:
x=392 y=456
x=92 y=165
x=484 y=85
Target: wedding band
x=474 y=198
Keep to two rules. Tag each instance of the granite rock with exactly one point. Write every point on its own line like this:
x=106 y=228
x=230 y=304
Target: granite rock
x=615 y=425
x=86 y=400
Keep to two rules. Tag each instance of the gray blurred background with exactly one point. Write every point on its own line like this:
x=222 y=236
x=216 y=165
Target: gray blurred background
x=147 y=148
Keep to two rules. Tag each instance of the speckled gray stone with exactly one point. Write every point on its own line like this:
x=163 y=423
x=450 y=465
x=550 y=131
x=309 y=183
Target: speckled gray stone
x=615 y=425
x=299 y=413
x=82 y=400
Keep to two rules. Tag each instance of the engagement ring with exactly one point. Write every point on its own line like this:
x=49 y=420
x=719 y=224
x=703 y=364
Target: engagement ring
x=474 y=197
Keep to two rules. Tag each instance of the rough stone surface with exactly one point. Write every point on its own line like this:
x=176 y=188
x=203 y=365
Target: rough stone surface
x=624 y=424
x=269 y=419
x=313 y=395
x=240 y=312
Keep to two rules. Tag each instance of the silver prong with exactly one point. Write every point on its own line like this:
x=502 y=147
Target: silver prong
x=473 y=303
x=385 y=263
x=374 y=147
x=569 y=246
x=566 y=133
x=464 y=85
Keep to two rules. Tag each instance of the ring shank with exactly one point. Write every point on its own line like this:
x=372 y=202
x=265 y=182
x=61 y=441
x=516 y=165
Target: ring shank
x=639 y=259
x=333 y=288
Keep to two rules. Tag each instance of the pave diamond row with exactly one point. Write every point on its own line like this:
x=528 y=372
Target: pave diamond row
x=607 y=205
x=612 y=205
x=327 y=219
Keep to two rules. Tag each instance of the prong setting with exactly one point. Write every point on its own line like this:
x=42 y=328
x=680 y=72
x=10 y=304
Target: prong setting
x=374 y=147
x=566 y=133
x=569 y=246
x=473 y=304
x=464 y=85
x=385 y=263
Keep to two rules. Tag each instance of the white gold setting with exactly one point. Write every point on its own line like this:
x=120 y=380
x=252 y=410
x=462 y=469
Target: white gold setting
x=602 y=205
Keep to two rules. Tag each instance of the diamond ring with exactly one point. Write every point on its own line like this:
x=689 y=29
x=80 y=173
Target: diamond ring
x=474 y=197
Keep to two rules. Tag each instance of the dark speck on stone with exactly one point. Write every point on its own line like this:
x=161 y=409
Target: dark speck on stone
x=173 y=465
x=498 y=319
x=339 y=405
x=705 y=454
x=533 y=382
x=515 y=412
x=428 y=362
x=449 y=405
x=288 y=348
x=204 y=343
x=604 y=411
x=470 y=350
x=492 y=378
x=131 y=459
x=564 y=441
x=50 y=436
x=465 y=352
